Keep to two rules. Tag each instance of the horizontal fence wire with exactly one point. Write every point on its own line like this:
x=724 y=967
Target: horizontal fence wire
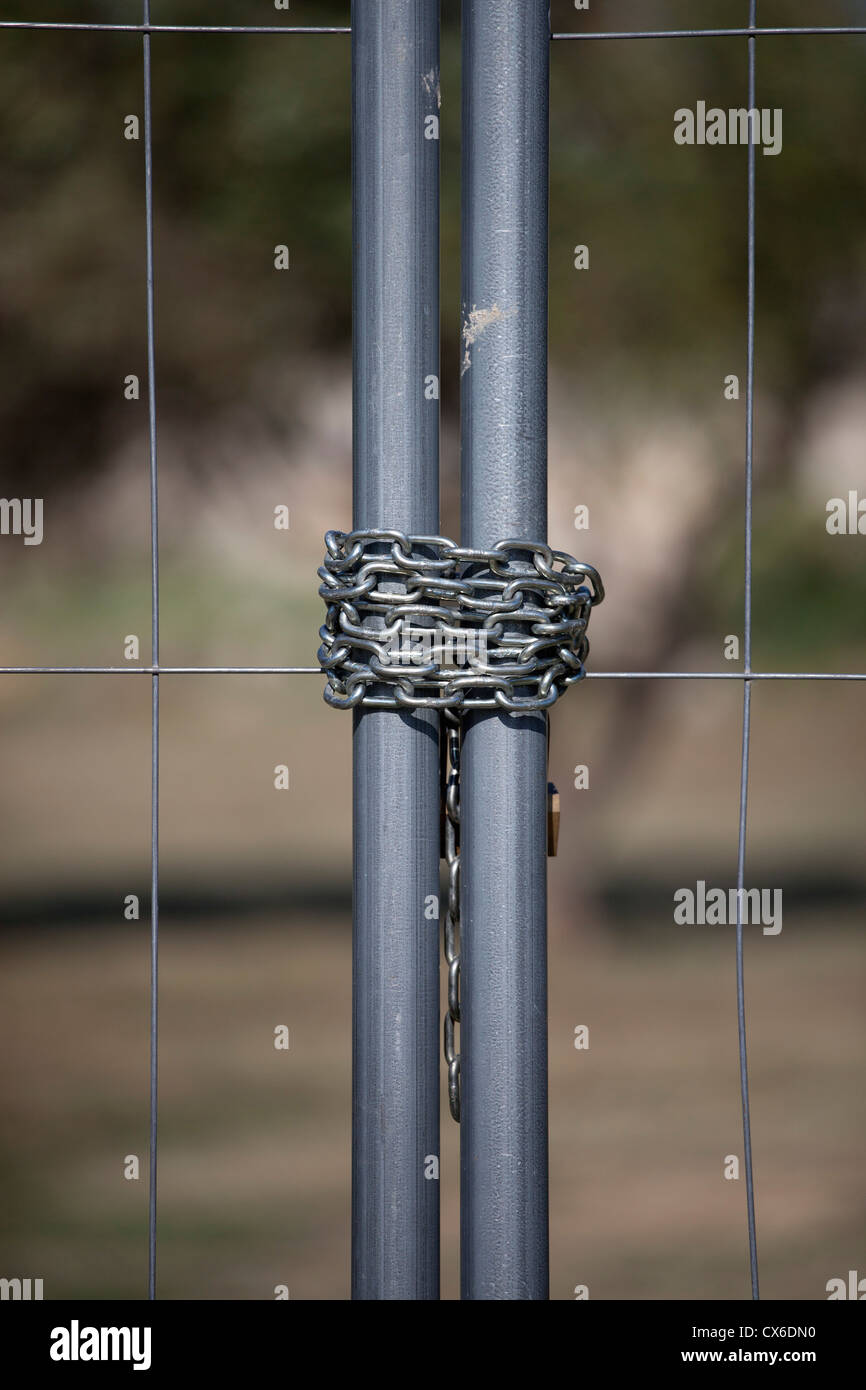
x=176 y=28
x=802 y=30
x=776 y=31
x=319 y=671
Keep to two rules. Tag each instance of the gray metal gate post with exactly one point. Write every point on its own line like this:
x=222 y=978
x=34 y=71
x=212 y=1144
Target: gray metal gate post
x=503 y=1041
x=395 y=1108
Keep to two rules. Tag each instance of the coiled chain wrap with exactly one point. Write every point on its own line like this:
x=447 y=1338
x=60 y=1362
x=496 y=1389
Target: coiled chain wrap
x=516 y=614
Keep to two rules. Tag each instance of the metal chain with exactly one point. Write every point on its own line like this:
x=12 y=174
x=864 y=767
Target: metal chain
x=451 y=791
x=406 y=613
x=420 y=622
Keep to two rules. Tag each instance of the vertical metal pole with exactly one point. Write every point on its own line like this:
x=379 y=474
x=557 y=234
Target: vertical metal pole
x=395 y=190
x=503 y=1040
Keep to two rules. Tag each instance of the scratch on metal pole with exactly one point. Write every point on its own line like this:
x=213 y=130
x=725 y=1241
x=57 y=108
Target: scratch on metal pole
x=476 y=322
x=430 y=83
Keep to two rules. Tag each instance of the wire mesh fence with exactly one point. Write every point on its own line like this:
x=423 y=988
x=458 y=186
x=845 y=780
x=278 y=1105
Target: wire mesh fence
x=751 y=35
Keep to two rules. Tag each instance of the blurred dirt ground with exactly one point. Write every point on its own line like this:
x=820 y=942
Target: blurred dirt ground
x=255 y=1143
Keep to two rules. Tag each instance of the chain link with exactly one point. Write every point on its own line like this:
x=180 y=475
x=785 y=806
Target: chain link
x=451 y=768
x=420 y=622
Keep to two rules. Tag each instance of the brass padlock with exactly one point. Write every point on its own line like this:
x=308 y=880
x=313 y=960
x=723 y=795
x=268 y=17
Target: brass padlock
x=552 y=820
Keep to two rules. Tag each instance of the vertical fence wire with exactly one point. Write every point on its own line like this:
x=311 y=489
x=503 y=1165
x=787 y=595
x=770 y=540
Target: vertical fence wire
x=747 y=663
x=154 y=734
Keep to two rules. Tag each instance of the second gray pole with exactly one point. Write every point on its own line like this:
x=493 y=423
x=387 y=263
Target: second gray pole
x=503 y=1039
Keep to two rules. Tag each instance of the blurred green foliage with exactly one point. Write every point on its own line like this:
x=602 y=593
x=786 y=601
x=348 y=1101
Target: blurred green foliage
x=252 y=148
x=251 y=139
